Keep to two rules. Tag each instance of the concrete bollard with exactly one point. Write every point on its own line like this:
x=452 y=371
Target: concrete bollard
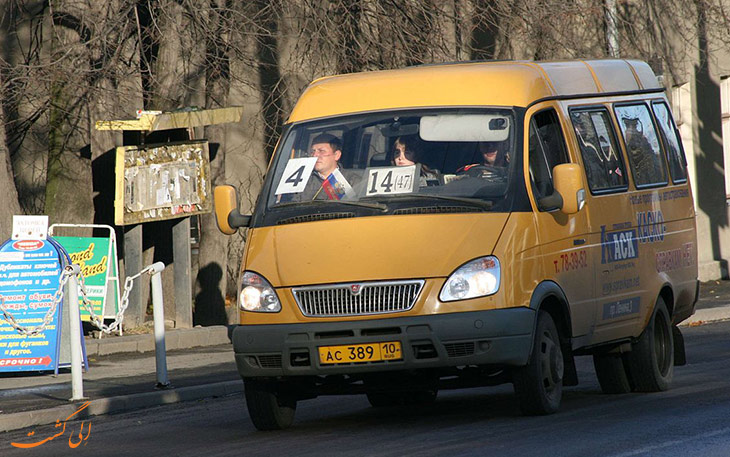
x=77 y=382
x=158 y=314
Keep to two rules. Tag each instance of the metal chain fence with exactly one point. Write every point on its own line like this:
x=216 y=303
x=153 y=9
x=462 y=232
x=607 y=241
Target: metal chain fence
x=119 y=318
x=66 y=273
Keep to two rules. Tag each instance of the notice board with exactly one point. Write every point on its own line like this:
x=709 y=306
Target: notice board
x=156 y=182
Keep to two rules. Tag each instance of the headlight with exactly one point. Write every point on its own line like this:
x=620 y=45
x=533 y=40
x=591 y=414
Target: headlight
x=478 y=278
x=257 y=294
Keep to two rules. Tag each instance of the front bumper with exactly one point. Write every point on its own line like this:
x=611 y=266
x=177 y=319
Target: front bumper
x=494 y=337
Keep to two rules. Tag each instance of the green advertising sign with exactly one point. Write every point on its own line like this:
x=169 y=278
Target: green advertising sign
x=98 y=265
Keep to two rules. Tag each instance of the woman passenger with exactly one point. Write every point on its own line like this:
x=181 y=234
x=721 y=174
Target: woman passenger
x=407 y=150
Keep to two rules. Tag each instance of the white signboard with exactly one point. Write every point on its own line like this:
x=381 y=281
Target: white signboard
x=390 y=180
x=30 y=227
x=296 y=175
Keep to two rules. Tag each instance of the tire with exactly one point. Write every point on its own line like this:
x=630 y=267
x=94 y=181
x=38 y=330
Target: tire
x=388 y=399
x=651 y=360
x=611 y=373
x=268 y=410
x=539 y=384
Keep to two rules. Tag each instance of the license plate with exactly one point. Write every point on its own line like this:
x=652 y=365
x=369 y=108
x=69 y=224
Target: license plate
x=354 y=353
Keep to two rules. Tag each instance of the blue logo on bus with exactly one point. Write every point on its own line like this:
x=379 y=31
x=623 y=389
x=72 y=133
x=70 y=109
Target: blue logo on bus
x=618 y=245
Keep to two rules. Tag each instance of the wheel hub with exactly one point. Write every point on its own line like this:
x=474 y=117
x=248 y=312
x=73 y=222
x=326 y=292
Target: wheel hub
x=556 y=364
x=553 y=364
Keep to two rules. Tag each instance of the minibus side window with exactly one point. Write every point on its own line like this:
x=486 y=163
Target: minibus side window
x=604 y=166
x=546 y=150
x=642 y=145
x=672 y=145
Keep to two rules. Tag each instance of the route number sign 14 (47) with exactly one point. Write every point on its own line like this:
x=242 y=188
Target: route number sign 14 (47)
x=391 y=180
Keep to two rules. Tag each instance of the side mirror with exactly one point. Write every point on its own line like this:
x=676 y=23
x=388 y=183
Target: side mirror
x=568 y=183
x=227 y=216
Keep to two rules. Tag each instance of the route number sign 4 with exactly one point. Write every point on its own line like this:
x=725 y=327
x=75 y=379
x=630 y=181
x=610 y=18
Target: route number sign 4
x=296 y=175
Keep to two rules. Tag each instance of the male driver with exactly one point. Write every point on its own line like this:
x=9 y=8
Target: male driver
x=493 y=154
x=494 y=161
x=328 y=150
x=327 y=182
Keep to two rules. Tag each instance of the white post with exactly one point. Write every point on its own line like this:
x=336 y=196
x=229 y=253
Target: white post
x=158 y=314
x=77 y=383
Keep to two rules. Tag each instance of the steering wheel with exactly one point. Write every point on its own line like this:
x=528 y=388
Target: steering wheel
x=484 y=172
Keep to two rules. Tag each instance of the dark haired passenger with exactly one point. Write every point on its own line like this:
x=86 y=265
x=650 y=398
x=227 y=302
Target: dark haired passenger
x=407 y=150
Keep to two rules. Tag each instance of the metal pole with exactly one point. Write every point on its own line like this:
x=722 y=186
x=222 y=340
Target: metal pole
x=77 y=382
x=158 y=314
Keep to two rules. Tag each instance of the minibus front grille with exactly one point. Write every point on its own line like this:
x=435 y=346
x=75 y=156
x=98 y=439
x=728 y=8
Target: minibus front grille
x=357 y=299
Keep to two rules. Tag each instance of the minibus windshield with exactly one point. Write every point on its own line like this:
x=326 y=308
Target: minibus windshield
x=451 y=159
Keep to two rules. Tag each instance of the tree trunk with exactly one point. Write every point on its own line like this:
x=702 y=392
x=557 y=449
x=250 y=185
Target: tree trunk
x=213 y=251
x=10 y=204
x=68 y=178
x=25 y=99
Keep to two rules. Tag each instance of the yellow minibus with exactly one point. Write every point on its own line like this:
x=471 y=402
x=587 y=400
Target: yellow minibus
x=466 y=224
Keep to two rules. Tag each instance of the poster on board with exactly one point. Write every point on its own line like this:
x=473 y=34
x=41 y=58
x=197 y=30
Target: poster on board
x=98 y=264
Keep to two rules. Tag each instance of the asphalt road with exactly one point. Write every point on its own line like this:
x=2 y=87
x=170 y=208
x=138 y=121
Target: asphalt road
x=691 y=419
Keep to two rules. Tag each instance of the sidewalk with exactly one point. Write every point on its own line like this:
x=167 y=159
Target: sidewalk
x=713 y=305
x=122 y=376
x=200 y=365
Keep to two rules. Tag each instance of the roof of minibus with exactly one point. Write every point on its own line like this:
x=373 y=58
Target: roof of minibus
x=496 y=83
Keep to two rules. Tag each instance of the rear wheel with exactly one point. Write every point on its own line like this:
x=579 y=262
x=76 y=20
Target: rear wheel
x=268 y=409
x=611 y=373
x=539 y=384
x=651 y=360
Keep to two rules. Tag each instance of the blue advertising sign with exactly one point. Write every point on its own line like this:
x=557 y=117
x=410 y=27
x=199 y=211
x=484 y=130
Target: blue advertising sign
x=30 y=271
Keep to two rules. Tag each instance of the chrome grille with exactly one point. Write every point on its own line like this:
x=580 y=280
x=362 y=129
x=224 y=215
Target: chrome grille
x=357 y=299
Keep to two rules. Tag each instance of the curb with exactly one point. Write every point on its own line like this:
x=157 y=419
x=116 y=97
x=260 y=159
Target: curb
x=15 y=421
x=174 y=339
x=707 y=315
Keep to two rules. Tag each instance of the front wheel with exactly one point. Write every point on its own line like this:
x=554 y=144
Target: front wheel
x=651 y=360
x=268 y=409
x=539 y=384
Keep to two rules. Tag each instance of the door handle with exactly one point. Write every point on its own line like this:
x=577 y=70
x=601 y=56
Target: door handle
x=579 y=241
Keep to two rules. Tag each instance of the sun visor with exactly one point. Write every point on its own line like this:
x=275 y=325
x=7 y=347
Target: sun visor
x=465 y=127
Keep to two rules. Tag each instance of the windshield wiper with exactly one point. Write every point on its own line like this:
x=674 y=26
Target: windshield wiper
x=378 y=206
x=466 y=200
